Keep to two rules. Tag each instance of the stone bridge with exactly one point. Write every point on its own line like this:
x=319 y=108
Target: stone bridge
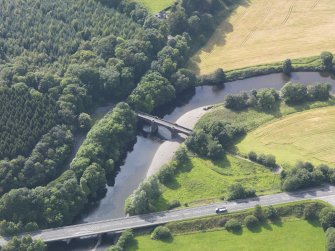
x=155 y=122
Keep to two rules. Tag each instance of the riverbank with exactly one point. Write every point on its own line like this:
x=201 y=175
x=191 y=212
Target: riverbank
x=308 y=64
x=166 y=150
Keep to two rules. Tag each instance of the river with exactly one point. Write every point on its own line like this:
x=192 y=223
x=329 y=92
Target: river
x=139 y=158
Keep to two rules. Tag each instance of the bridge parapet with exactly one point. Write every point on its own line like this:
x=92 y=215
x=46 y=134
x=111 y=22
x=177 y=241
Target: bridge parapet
x=155 y=122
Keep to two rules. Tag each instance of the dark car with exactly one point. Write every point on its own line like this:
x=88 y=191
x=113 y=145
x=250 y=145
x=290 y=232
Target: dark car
x=221 y=210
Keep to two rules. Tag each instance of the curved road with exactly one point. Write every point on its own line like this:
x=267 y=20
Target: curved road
x=326 y=193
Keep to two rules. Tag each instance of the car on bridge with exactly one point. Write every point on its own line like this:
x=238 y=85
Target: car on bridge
x=220 y=210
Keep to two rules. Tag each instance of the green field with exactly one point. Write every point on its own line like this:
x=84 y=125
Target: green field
x=155 y=6
x=307 y=136
x=252 y=118
x=202 y=180
x=292 y=235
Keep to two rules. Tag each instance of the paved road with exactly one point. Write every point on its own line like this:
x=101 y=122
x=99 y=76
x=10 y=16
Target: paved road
x=164 y=123
x=326 y=193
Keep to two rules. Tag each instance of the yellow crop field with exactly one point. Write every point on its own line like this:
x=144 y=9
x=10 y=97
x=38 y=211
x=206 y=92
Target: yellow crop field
x=305 y=136
x=267 y=31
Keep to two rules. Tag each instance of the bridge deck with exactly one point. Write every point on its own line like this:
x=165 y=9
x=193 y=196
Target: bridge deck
x=164 y=123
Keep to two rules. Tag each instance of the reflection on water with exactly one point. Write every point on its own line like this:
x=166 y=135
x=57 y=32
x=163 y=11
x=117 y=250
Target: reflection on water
x=138 y=160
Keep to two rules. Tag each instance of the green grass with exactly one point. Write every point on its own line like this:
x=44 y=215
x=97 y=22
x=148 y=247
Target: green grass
x=307 y=136
x=300 y=64
x=285 y=149
x=202 y=180
x=252 y=118
x=291 y=235
x=155 y=6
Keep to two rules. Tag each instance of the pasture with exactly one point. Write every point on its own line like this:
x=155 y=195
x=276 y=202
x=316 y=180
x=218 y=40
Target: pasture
x=268 y=31
x=291 y=235
x=203 y=180
x=305 y=136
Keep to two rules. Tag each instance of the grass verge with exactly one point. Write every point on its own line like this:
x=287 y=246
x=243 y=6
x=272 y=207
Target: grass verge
x=288 y=233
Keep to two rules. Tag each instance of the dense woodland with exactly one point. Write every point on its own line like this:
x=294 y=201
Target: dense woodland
x=25 y=115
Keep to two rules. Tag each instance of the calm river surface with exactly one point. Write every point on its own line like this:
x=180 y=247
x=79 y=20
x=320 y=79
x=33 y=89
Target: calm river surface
x=138 y=160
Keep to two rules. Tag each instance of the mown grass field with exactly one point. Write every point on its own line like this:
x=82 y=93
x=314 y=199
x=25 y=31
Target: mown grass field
x=202 y=180
x=306 y=136
x=261 y=32
x=252 y=118
x=155 y=6
x=292 y=235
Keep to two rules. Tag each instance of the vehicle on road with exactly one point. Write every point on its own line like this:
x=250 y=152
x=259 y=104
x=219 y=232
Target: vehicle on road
x=220 y=210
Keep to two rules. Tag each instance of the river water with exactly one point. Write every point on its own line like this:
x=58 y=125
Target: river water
x=138 y=159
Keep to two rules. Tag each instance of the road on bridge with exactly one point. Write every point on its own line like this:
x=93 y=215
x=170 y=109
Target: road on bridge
x=164 y=123
x=326 y=193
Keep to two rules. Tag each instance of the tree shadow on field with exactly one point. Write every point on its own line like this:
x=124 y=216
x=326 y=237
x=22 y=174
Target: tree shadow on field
x=314 y=222
x=132 y=245
x=278 y=222
x=184 y=168
x=237 y=232
x=173 y=184
x=167 y=240
x=218 y=37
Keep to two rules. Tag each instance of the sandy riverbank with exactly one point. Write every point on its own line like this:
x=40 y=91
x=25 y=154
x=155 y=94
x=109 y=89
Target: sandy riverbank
x=166 y=150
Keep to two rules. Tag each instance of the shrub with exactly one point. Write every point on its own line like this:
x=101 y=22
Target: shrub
x=304 y=175
x=181 y=155
x=233 y=225
x=319 y=92
x=235 y=102
x=252 y=156
x=173 y=204
x=268 y=160
x=223 y=221
x=330 y=239
x=294 y=93
x=271 y=213
x=310 y=211
x=161 y=233
x=266 y=98
x=327 y=60
x=259 y=213
x=123 y=240
x=251 y=221
x=216 y=78
x=287 y=66
x=166 y=173
x=327 y=217
x=237 y=191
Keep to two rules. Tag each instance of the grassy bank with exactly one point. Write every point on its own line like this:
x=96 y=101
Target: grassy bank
x=202 y=180
x=310 y=64
x=265 y=32
x=289 y=232
x=292 y=234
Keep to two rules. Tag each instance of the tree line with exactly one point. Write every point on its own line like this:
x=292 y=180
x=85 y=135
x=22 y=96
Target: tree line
x=266 y=99
x=45 y=162
x=57 y=203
